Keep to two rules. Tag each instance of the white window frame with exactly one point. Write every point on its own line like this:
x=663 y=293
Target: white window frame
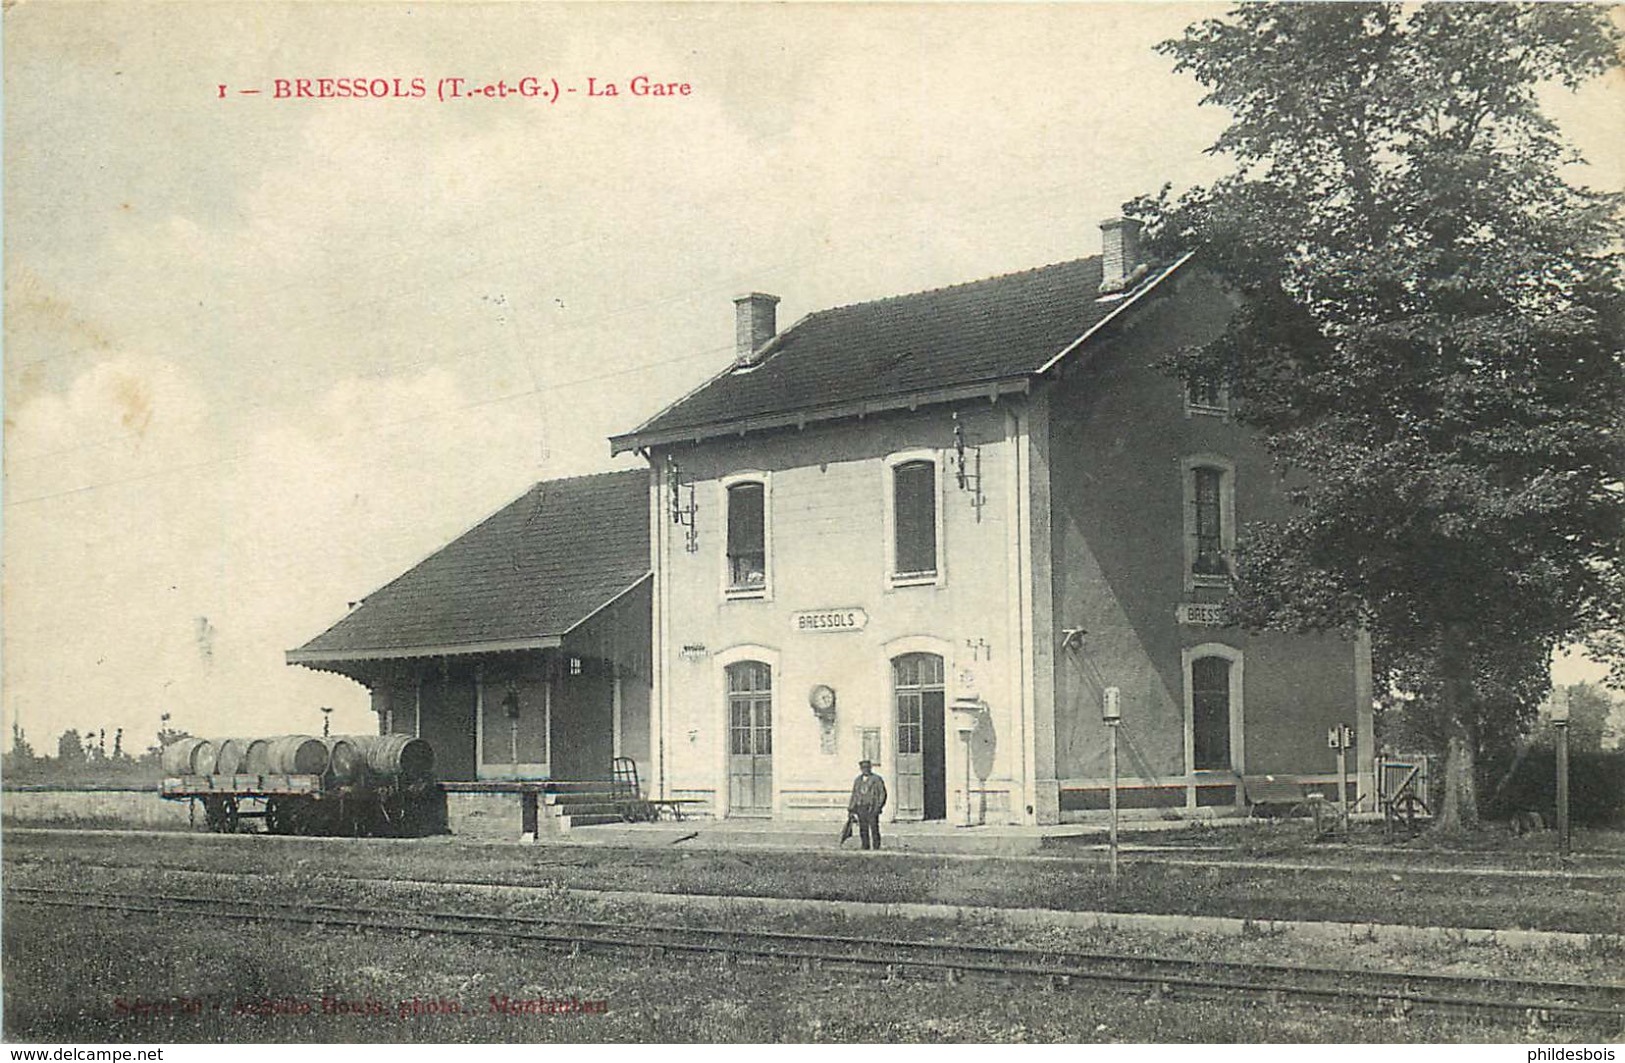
x=1238 y=752
x=1227 y=517
x=889 y=518
x=952 y=750
x=765 y=591
x=719 y=697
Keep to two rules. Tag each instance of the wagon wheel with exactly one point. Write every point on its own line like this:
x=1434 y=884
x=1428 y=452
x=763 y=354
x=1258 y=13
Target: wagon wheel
x=381 y=815
x=278 y=819
x=220 y=814
x=1408 y=806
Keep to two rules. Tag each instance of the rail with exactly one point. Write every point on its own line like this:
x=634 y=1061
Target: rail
x=1535 y=1004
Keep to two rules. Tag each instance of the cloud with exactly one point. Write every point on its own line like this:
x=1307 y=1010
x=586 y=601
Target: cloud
x=123 y=418
x=195 y=554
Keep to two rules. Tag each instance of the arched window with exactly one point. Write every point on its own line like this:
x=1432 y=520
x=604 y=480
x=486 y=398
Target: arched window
x=747 y=545
x=1210 y=520
x=1209 y=532
x=913 y=519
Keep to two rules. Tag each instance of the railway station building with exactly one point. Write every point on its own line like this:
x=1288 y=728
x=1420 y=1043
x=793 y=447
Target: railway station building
x=521 y=649
x=930 y=531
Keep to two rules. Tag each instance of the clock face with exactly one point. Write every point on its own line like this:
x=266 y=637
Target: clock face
x=823 y=698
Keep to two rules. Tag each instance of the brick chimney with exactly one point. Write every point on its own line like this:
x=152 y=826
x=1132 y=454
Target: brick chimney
x=754 y=324
x=1120 y=264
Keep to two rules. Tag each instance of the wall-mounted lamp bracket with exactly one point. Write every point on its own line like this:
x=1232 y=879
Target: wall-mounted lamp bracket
x=680 y=495
x=968 y=468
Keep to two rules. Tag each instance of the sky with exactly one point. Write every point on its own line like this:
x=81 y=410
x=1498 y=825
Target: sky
x=264 y=354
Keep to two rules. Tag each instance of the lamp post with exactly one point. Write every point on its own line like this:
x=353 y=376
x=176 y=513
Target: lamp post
x=1111 y=711
x=1560 y=720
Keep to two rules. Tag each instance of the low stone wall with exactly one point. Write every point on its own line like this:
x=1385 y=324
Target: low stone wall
x=496 y=817
x=488 y=816
x=94 y=808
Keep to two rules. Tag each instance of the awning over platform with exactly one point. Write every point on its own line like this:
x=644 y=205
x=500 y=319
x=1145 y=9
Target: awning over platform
x=520 y=580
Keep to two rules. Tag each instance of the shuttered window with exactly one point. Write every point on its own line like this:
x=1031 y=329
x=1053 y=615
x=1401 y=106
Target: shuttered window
x=914 y=487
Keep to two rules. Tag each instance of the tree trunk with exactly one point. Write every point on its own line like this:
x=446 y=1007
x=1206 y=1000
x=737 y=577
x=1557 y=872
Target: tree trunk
x=1460 y=809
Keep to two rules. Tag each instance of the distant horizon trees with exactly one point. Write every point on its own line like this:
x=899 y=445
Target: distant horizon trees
x=85 y=756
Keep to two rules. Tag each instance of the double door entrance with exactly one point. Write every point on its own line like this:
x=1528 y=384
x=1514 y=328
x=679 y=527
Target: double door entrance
x=920 y=789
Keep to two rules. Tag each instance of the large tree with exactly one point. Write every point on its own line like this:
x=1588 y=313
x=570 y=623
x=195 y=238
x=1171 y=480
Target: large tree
x=1429 y=340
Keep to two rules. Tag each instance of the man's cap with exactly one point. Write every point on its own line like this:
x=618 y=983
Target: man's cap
x=866 y=763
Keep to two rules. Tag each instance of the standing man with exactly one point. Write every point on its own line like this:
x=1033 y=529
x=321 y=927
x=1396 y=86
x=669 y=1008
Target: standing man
x=868 y=798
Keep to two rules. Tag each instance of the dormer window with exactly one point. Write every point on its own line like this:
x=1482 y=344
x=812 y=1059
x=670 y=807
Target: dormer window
x=746 y=560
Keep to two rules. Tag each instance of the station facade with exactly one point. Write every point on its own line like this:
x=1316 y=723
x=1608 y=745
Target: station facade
x=932 y=531
x=929 y=531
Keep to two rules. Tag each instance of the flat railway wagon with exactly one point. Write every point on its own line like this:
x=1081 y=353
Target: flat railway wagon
x=342 y=785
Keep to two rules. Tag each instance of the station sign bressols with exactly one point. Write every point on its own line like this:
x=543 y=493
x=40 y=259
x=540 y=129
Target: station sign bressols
x=827 y=620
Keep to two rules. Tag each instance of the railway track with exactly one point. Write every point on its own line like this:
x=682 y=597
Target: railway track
x=1580 y=867
x=1532 y=1004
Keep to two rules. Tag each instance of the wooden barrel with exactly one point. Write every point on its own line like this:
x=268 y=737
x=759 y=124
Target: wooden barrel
x=228 y=757
x=346 y=762
x=189 y=756
x=256 y=757
x=294 y=755
x=398 y=756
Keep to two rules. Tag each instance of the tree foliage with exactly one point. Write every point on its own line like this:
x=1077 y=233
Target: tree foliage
x=70 y=750
x=1429 y=343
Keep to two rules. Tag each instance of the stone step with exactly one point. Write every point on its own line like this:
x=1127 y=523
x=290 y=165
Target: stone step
x=568 y=801
x=571 y=822
x=591 y=808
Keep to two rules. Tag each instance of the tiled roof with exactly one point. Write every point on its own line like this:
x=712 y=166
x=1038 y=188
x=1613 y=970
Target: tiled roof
x=530 y=572
x=983 y=332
